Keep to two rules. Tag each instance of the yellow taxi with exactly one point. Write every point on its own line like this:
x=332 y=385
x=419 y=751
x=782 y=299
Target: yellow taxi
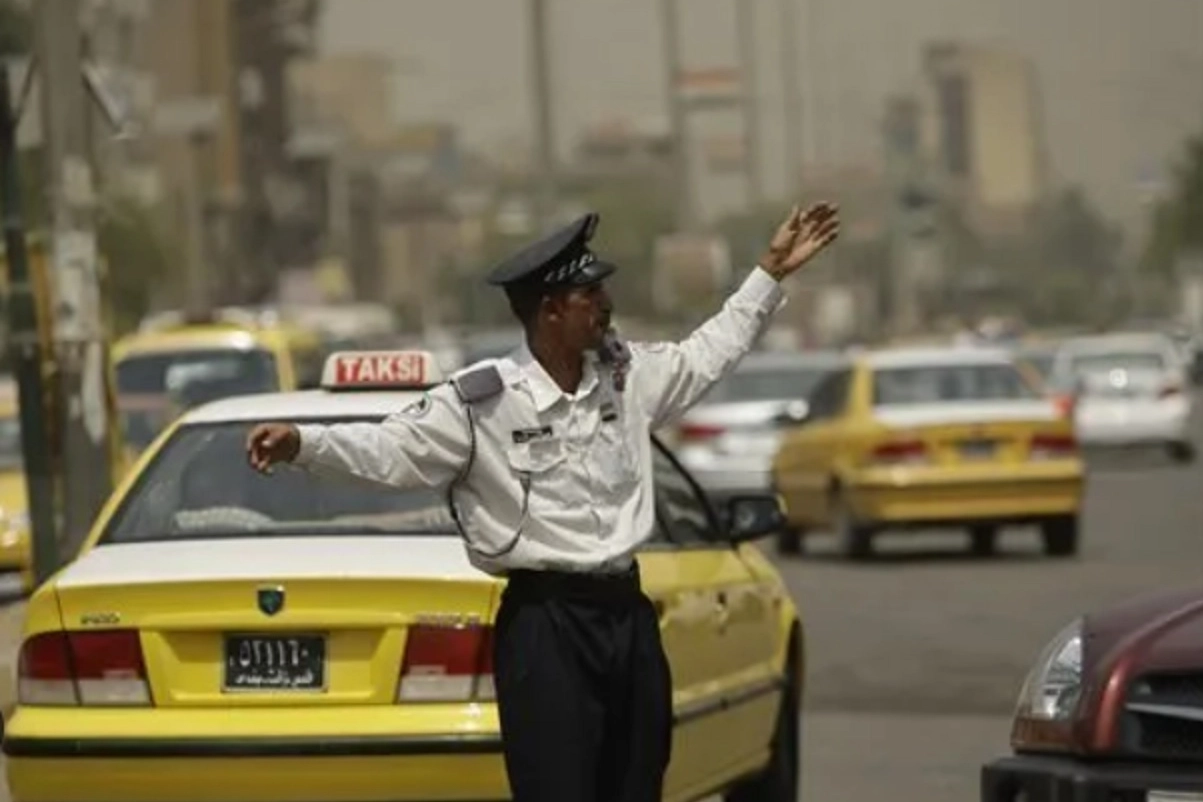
x=15 y=552
x=174 y=362
x=923 y=438
x=225 y=635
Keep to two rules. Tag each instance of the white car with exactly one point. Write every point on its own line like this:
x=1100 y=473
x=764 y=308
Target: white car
x=1128 y=390
x=728 y=440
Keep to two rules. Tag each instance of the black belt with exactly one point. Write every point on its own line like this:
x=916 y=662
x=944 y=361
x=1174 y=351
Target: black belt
x=602 y=587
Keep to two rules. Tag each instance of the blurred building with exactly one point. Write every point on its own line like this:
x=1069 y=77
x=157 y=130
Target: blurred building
x=204 y=82
x=981 y=127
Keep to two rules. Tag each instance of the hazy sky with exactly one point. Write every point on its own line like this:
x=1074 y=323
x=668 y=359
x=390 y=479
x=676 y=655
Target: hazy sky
x=1122 y=79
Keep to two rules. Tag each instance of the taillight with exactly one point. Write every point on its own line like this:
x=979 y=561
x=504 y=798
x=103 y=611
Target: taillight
x=900 y=452
x=1065 y=405
x=447 y=664
x=695 y=432
x=1053 y=446
x=83 y=668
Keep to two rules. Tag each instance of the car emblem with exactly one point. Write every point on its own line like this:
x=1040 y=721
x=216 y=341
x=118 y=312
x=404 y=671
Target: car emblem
x=271 y=600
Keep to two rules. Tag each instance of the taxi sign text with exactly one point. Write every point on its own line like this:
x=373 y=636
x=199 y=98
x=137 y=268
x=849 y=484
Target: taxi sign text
x=380 y=369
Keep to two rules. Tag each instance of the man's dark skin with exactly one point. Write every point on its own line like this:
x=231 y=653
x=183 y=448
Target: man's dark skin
x=572 y=322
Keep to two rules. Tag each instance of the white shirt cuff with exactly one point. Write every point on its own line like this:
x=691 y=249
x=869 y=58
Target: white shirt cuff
x=762 y=289
x=311 y=440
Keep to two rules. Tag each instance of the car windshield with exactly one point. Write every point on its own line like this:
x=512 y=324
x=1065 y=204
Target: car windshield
x=153 y=388
x=199 y=486
x=930 y=384
x=1151 y=361
x=10 y=443
x=766 y=384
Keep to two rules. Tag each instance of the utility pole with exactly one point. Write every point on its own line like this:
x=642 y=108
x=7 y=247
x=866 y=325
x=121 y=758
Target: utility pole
x=678 y=130
x=545 y=156
x=25 y=347
x=791 y=69
x=745 y=23
x=81 y=352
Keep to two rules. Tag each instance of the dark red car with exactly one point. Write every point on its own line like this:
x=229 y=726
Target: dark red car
x=1112 y=711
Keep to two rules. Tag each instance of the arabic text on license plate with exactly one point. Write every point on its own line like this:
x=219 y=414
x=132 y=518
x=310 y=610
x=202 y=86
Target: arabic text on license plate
x=1173 y=796
x=275 y=663
x=977 y=449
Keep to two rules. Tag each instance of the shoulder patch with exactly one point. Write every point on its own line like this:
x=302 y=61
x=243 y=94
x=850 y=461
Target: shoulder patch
x=478 y=384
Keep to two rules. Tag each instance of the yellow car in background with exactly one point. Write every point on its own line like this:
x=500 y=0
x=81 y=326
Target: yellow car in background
x=174 y=363
x=15 y=552
x=924 y=438
x=225 y=635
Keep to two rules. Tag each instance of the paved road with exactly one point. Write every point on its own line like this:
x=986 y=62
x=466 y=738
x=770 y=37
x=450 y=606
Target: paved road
x=915 y=660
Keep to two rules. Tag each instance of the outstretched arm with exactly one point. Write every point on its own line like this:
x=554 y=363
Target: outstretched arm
x=423 y=445
x=671 y=377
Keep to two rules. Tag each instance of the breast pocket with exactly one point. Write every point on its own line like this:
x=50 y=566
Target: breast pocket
x=614 y=459
x=541 y=467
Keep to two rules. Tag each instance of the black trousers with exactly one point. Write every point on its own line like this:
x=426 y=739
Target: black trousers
x=583 y=689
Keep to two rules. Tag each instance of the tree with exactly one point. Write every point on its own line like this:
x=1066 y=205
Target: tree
x=137 y=259
x=1177 y=224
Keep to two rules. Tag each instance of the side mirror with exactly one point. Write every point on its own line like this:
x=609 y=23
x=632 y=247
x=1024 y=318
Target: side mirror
x=753 y=516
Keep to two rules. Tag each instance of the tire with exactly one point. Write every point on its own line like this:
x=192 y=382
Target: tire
x=1182 y=453
x=854 y=540
x=983 y=541
x=790 y=541
x=780 y=779
x=1060 y=536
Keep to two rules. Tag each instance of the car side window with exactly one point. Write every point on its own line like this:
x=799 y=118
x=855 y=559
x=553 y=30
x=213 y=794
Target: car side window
x=831 y=396
x=683 y=516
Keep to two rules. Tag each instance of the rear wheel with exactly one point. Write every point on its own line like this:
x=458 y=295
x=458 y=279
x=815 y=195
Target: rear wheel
x=854 y=539
x=983 y=540
x=1182 y=453
x=780 y=778
x=1060 y=536
x=791 y=541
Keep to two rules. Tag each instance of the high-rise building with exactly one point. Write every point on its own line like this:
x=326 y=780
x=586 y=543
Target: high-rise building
x=982 y=130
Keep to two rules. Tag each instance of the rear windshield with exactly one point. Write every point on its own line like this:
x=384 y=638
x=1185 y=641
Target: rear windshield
x=766 y=384
x=153 y=389
x=199 y=486
x=931 y=384
x=225 y=370
x=1117 y=360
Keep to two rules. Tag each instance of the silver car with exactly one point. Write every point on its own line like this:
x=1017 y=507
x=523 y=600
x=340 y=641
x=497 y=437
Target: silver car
x=729 y=439
x=1128 y=390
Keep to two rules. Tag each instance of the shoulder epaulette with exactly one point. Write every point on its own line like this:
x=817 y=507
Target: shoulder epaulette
x=478 y=384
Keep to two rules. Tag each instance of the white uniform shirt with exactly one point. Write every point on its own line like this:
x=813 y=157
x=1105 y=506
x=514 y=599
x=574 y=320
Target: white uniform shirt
x=559 y=481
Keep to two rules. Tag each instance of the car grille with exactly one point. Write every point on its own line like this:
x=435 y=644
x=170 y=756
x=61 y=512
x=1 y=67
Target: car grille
x=1163 y=717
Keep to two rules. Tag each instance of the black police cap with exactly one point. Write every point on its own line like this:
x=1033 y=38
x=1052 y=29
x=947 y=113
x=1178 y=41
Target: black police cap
x=560 y=260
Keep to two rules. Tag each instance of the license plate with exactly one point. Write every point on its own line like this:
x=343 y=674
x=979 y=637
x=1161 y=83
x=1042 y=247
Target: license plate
x=977 y=449
x=1173 y=796
x=275 y=663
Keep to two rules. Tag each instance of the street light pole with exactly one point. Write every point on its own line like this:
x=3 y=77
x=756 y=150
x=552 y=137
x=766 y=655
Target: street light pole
x=544 y=127
x=80 y=344
x=25 y=349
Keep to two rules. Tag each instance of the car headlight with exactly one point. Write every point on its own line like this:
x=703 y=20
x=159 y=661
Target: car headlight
x=1054 y=685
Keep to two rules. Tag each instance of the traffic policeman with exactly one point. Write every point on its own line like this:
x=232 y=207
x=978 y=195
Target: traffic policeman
x=545 y=456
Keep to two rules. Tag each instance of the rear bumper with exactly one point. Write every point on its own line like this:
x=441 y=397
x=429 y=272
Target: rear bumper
x=1063 y=779
x=287 y=754
x=1169 y=425
x=900 y=498
x=459 y=767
